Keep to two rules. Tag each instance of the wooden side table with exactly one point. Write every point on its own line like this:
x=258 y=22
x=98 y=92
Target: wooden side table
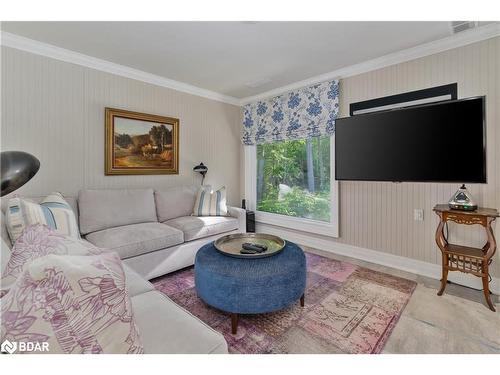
x=464 y=258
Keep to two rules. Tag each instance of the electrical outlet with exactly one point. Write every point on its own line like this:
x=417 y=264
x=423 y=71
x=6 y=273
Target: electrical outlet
x=418 y=214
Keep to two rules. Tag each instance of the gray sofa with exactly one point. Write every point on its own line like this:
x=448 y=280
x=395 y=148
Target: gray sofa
x=154 y=234
x=152 y=231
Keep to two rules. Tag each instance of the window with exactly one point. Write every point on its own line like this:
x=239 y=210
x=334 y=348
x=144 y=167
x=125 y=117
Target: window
x=293 y=178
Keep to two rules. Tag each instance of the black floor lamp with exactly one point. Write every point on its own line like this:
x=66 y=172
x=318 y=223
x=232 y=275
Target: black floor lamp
x=17 y=168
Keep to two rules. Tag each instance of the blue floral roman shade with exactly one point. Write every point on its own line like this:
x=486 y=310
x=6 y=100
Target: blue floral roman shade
x=303 y=113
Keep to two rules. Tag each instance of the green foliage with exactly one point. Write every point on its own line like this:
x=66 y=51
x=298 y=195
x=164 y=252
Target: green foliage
x=286 y=163
x=280 y=160
x=298 y=203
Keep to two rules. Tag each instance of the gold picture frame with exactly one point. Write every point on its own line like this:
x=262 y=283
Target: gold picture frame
x=140 y=143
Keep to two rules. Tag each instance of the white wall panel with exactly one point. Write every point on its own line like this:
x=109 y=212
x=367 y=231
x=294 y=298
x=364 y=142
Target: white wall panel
x=55 y=110
x=379 y=215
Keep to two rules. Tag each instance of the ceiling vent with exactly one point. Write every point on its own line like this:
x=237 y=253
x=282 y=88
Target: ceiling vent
x=459 y=26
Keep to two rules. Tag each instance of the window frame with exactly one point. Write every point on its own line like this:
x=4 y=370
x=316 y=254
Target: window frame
x=330 y=229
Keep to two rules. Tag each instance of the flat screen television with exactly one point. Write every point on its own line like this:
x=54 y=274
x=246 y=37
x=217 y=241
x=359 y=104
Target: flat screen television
x=437 y=142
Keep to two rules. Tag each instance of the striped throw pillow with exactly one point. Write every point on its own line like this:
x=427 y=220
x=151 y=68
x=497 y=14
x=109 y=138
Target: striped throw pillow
x=210 y=203
x=53 y=212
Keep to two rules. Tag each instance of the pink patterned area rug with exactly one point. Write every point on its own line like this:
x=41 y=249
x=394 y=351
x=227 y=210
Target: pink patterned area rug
x=349 y=309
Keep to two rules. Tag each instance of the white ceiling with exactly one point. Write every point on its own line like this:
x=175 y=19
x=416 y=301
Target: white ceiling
x=237 y=59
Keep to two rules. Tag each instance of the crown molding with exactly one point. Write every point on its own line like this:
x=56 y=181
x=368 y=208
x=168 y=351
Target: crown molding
x=62 y=54
x=431 y=48
x=464 y=38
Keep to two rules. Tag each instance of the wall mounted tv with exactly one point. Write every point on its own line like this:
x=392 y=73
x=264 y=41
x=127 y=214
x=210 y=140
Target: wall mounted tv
x=437 y=142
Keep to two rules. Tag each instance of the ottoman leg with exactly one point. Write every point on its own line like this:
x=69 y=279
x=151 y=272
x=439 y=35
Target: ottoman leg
x=234 y=323
x=302 y=300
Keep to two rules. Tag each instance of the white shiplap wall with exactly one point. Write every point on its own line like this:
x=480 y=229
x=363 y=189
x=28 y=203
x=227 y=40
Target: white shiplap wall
x=379 y=215
x=55 y=110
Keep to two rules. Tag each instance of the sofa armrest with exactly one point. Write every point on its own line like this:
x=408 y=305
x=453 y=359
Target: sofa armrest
x=241 y=215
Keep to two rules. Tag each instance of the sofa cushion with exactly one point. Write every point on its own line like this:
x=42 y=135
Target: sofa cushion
x=175 y=202
x=195 y=227
x=167 y=328
x=134 y=283
x=103 y=209
x=136 y=239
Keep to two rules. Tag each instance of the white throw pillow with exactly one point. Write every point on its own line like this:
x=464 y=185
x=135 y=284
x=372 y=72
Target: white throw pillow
x=72 y=304
x=53 y=212
x=210 y=203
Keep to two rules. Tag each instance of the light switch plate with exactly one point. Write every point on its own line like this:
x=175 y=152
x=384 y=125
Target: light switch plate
x=418 y=214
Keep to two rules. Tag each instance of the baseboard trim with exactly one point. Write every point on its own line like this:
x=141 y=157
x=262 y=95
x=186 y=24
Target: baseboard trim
x=415 y=266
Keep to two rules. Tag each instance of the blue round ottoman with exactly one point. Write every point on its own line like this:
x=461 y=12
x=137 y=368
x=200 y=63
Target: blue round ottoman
x=250 y=286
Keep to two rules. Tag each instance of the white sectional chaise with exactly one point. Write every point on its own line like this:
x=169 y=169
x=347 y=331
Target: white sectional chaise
x=154 y=234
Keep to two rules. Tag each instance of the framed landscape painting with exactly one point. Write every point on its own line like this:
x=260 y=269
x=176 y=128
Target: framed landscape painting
x=139 y=143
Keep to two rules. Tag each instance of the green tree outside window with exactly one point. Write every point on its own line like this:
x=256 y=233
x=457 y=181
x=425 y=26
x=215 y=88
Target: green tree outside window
x=293 y=178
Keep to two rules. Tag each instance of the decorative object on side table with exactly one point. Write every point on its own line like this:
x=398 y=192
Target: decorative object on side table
x=464 y=258
x=462 y=200
x=250 y=286
x=17 y=168
x=140 y=143
x=201 y=169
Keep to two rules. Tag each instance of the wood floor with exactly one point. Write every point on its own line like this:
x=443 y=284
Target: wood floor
x=457 y=322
